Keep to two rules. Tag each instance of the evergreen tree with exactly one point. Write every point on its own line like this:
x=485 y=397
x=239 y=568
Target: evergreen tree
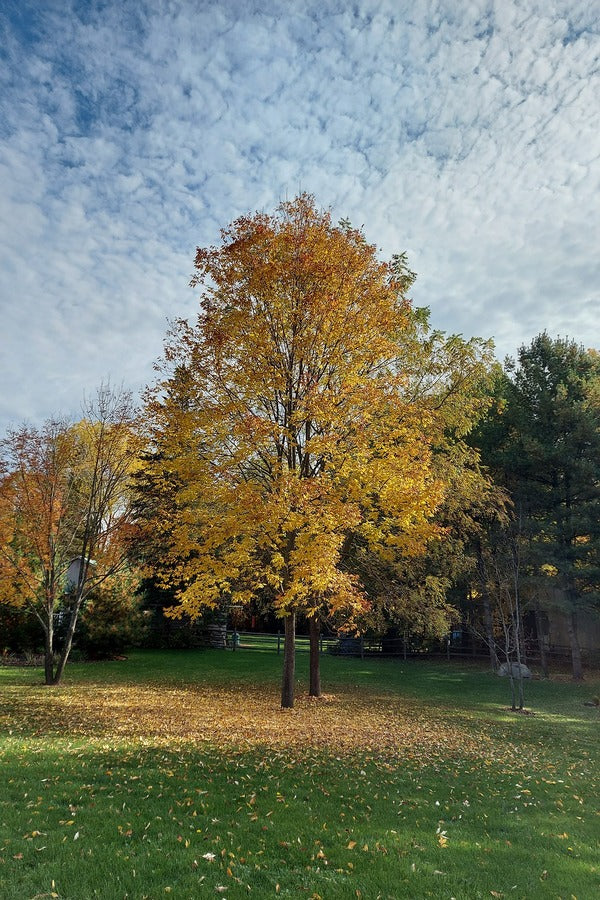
x=543 y=443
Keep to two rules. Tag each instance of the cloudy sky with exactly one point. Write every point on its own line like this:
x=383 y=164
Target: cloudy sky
x=466 y=132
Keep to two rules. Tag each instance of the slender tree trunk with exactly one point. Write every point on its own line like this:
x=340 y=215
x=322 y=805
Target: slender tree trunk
x=49 y=651
x=508 y=654
x=315 y=657
x=518 y=628
x=64 y=655
x=540 y=638
x=575 y=648
x=512 y=688
x=487 y=610
x=289 y=662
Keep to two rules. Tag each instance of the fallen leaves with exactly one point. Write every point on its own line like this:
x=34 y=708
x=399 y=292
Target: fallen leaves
x=231 y=716
x=244 y=795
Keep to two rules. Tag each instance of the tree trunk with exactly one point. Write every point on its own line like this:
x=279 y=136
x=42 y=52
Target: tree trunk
x=315 y=658
x=289 y=662
x=518 y=630
x=575 y=648
x=49 y=651
x=64 y=655
x=487 y=610
x=512 y=688
x=539 y=627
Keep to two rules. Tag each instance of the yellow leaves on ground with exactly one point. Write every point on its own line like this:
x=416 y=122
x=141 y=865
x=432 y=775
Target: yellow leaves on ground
x=231 y=716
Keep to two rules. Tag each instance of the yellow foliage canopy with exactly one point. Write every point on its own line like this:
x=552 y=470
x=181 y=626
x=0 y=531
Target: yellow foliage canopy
x=306 y=403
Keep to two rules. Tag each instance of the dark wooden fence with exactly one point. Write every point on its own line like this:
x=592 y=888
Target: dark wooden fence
x=391 y=648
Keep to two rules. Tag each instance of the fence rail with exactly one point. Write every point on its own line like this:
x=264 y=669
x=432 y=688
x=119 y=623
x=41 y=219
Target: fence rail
x=388 y=648
x=253 y=640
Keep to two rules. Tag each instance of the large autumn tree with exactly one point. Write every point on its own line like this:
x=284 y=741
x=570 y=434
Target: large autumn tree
x=66 y=514
x=303 y=406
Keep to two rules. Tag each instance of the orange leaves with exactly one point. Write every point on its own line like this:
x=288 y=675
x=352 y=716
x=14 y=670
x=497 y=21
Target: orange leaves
x=304 y=407
x=231 y=717
x=65 y=493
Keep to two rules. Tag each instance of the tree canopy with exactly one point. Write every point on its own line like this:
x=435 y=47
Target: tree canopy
x=308 y=403
x=543 y=444
x=66 y=513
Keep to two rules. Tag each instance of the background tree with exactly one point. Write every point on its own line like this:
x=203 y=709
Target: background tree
x=304 y=419
x=416 y=598
x=64 y=496
x=500 y=576
x=112 y=619
x=542 y=441
x=156 y=487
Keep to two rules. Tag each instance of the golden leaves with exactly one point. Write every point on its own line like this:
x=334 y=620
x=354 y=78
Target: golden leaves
x=295 y=425
x=307 y=407
x=350 y=721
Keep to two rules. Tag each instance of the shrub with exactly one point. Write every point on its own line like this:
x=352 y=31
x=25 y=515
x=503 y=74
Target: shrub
x=112 y=620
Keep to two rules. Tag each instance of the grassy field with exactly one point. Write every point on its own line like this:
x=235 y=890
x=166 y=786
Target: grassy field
x=177 y=774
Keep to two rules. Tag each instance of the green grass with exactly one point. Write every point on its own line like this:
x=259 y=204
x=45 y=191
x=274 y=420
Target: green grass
x=411 y=780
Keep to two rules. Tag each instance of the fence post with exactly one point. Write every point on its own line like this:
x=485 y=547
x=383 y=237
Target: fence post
x=278 y=642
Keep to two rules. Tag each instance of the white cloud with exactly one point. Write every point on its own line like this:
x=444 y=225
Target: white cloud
x=467 y=134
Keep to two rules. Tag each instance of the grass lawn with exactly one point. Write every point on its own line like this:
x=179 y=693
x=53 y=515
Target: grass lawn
x=177 y=774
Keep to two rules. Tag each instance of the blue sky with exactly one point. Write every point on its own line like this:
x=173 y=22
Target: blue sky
x=466 y=133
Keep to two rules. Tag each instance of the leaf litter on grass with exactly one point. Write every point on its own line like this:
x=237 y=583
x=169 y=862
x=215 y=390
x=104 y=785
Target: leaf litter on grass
x=343 y=722
x=347 y=771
